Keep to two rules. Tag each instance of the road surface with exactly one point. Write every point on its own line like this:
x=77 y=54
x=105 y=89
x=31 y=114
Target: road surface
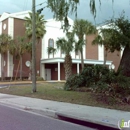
x=16 y=119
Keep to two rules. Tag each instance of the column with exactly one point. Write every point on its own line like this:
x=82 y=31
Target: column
x=0 y=65
x=42 y=71
x=58 y=71
x=77 y=68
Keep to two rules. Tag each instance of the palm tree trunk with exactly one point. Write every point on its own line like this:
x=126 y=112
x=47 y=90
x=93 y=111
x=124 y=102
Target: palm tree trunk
x=105 y=58
x=68 y=66
x=2 y=67
x=30 y=72
x=125 y=62
x=82 y=60
x=20 y=67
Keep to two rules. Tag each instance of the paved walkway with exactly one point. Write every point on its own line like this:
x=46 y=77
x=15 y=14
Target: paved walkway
x=107 y=117
x=27 y=82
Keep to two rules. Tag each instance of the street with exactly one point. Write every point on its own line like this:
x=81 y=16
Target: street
x=15 y=119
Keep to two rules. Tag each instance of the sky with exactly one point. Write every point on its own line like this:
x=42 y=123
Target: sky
x=106 y=11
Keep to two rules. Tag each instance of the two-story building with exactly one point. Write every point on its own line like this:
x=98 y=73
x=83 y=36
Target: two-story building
x=49 y=66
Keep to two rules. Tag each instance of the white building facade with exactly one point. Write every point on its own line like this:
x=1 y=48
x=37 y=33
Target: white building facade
x=51 y=66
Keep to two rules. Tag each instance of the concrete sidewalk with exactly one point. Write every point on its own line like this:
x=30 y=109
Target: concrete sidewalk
x=106 y=117
x=28 y=82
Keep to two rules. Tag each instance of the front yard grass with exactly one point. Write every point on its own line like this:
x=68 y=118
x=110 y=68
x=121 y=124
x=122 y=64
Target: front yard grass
x=55 y=92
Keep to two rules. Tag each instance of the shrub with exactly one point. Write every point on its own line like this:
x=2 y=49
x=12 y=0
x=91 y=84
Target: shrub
x=38 y=78
x=73 y=82
x=100 y=79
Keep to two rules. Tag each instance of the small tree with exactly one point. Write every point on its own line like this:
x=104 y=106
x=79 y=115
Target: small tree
x=4 y=41
x=82 y=28
x=66 y=46
x=103 y=38
x=18 y=48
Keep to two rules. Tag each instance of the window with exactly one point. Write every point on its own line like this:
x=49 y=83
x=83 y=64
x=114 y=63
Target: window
x=51 y=43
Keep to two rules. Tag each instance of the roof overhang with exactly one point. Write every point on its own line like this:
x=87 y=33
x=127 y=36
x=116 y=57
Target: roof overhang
x=75 y=61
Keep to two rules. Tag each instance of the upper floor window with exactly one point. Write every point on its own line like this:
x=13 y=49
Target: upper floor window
x=50 y=43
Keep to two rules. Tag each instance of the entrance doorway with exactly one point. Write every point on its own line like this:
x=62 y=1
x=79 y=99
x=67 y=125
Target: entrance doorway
x=47 y=74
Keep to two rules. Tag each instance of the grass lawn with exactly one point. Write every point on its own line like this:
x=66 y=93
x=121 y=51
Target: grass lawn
x=54 y=91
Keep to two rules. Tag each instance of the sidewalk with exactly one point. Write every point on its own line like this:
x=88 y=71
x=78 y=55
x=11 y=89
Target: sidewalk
x=106 y=117
x=28 y=82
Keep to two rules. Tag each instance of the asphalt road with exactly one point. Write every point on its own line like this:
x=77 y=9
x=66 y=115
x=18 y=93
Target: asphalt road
x=15 y=119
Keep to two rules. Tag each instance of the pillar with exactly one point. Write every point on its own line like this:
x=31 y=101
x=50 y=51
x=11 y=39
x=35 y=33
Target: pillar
x=58 y=71
x=77 y=68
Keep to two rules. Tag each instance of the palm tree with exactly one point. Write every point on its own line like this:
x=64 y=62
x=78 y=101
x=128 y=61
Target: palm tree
x=103 y=38
x=51 y=50
x=40 y=26
x=18 y=48
x=40 y=32
x=4 y=41
x=81 y=28
x=65 y=45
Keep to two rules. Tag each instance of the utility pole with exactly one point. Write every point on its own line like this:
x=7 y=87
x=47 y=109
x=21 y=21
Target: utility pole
x=33 y=48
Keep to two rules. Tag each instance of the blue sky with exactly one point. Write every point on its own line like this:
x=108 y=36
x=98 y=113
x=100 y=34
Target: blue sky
x=106 y=11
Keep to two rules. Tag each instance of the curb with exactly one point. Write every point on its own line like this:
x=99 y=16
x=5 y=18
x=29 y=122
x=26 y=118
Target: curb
x=61 y=116
x=85 y=121
x=46 y=112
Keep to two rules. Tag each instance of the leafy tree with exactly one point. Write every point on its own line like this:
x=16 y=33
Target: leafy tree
x=66 y=46
x=82 y=28
x=4 y=41
x=120 y=38
x=62 y=8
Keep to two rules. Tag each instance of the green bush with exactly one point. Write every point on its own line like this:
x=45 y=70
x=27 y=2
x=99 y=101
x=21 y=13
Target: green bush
x=101 y=79
x=38 y=78
x=73 y=82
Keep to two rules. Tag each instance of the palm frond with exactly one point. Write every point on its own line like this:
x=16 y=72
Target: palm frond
x=51 y=50
x=40 y=25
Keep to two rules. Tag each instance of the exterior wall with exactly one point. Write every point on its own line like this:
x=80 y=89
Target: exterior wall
x=10 y=57
x=54 y=32
x=19 y=28
x=91 y=50
x=38 y=56
x=15 y=27
x=54 y=74
x=74 y=68
x=26 y=70
x=5 y=31
x=62 y=70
